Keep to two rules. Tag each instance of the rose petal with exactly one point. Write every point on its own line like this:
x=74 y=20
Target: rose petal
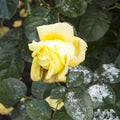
x=54 y=103
x=50 y=71
x=58 y=31
x=34 y=45
x=36 y=70
x=4 y=110
x=80 y=50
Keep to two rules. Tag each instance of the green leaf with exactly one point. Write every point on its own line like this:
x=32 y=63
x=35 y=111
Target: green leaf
x=24 y=51
x=11 y=64
x=107 y=112
x=11 y=91
x=109 y=73
x=19 y=113
x=38 y=110
x=11 y=38
x=32 y=21
x=78 y=75
x=72 y=8
x=8 y=8
x=41 y=89
x=39 y=16
x=62 y=115
x=58 y=92
x=105 y=3
x=109 y=55
x=94 y=24
x=101 y=94
x=78 y=104
x=75 y=79
x=117 y=61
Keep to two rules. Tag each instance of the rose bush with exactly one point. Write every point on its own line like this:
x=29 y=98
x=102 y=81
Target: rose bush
x=50 y=84
x=58 y=48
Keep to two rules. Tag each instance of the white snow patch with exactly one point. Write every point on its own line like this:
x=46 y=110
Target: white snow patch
x=105 y=115
x=99 y=92
x=110 y=72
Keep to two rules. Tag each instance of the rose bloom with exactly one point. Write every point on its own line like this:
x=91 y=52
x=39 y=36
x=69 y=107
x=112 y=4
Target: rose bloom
x=57 y=49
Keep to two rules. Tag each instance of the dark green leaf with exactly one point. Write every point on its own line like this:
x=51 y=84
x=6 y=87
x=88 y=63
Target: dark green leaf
x=109 y=55
x=58 y=92
x=104 y=3
x=101 y=94
x=8 y=8
x=75 y=79
x=11 y=64
x=11 y=90
x=38 y=110
x=51 y=17
x=41 y=89
x=94 y=24
x=24 y=50
x=78 y=75
x=11 y=39
x=62 y=116
x=72 y=8
x=19 y=113
x=34 y=20
x=117 y=61
x=39 y=16
x=78 y=104
x=89 y=1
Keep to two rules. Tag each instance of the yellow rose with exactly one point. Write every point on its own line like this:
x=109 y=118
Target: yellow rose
x=54 y=103
x=4 y=110
x=58 y=48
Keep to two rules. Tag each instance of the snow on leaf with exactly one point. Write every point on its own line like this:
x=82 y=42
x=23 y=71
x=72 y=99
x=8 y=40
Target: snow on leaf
x=99 y=92
x=106 y=114
x=110 y=72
